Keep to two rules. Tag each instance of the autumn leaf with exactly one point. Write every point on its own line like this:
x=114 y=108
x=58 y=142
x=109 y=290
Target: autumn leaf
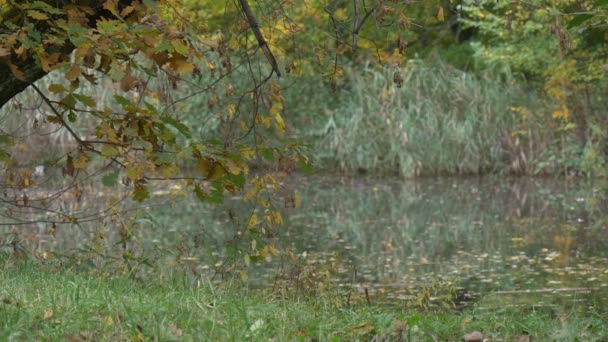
x=440 y=14
x=109 y=151
x=141 y=193
x=69 y=166
x=57 y=88
x=4 y=52
x=37 y=15
x=363 y=328
x=111 y=5
x=16 y=72
x=48 y=313
x=82 y=160
x=74 y=72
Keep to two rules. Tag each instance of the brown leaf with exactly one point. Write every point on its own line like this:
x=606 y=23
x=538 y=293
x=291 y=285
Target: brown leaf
x=128 y=82
x=69 y=167
x=74 y=72
x=16 y=72
x=48 y=314
x=4 y=51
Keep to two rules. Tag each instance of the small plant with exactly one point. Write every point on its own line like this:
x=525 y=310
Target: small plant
x=441 y=293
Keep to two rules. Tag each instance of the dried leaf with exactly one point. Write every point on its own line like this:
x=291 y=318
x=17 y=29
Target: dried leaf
x=74 y=72
x=48 y=314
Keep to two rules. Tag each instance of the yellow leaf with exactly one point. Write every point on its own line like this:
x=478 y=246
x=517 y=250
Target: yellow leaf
x=280 y=124
x=139 y=337
x=180 y=47
x=440 y=15
x=244 y=276
x=37 y=15
x=362 y=327
x=109 y=321
x=132 y=173
x=181 y=65
x=340 y=14
x=110 y=5
x=296 y=199
x=231 y=110
x=217 y=171
x=57 y=88
x=232 y=167
x=253 y=221
x=108 y=151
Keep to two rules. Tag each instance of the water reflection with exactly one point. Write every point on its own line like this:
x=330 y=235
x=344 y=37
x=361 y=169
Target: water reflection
x=500 y=240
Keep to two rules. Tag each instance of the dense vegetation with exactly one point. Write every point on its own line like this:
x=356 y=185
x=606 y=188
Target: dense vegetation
x=113 y=107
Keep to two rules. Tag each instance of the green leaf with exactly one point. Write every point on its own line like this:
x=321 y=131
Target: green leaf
x=109 y=151
x=4 y=156
x=601 y=3
x=141 y=193
x=111 y=179
x=268 y=154
x=150 y=3
x=578 y=20
x=215 y=197
x=183 y=129
x=57 y=88
x=45 y=7
x=69 y=101
x=238 y=180
x=305 y=164
x=72 y=116
x=200 y=194
x=86 y=100
x=6 y=140
x=217 y=194
x=123 y=101
x=163 y=158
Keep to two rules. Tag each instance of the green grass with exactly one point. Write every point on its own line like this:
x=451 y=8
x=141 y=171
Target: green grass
x=41 y=302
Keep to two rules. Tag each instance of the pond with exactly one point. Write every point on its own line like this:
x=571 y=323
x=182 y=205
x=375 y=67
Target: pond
x=520 y=241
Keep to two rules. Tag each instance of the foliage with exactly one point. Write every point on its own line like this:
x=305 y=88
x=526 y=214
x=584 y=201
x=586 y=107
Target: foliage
x=561 y=45
x=123 y=46
x=441 y=121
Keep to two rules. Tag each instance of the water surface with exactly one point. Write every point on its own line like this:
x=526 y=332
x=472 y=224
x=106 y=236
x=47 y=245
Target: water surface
x=521 y=241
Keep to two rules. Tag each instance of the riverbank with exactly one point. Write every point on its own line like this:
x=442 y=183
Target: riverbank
x=49 y=302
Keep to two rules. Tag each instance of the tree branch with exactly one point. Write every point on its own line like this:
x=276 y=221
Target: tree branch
x=255 y=27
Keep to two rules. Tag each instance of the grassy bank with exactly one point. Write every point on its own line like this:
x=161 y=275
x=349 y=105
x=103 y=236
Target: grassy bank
x=42 y=302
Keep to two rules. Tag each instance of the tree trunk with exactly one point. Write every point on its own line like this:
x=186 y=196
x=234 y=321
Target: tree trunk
x=10 y=86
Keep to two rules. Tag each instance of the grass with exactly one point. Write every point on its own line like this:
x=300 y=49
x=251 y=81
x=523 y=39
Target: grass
x=43 y=302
